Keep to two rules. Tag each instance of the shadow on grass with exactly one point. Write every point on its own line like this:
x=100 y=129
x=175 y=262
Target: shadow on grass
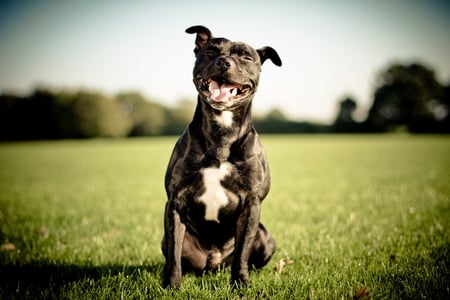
x=32 y=279
x=425 y=277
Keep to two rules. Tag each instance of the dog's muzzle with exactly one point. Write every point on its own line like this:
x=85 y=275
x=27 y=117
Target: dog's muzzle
x=219 y=90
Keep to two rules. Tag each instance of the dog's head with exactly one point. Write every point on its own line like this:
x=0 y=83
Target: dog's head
x=226 y=73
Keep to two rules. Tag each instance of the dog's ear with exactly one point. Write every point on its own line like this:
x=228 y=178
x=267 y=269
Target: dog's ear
x=269 y=53
x=203 y=36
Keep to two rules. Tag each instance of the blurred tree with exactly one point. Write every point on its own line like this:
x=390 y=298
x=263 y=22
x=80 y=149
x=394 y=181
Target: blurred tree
x=344 y=121
x=10 y=119
x=30 y=117
x=403 y=97
x=40 y=115
x=147 y=117
x=442 y=112
x=346 y=109
x=178 y=117
x=275 y=121
x=276 y=115
x=95 y=115
x=46 y=114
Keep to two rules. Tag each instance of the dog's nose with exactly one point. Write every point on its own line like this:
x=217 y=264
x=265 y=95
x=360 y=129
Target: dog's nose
x=222 y=63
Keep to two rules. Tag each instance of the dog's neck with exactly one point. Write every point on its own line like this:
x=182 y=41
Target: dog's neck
x=218 y=130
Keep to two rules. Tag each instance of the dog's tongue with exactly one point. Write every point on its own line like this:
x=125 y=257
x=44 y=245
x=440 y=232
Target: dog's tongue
x=222 y=93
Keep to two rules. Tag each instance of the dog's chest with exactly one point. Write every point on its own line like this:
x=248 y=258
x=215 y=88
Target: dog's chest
x=225 y=119
x=215 y=196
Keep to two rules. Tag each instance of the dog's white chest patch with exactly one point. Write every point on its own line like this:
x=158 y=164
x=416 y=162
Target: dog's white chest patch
x=214 y=196
x=225 y=118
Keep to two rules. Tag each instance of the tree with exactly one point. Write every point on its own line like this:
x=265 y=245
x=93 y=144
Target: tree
x=98 y=116
x=179 y=117
x=276 y=115
x=147 y=117
x=37 y=116
x=403 y=97
x=344 y=121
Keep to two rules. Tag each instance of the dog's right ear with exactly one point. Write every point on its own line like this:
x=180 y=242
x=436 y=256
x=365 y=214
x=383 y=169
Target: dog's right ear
x=269 y=53
x=203 y=36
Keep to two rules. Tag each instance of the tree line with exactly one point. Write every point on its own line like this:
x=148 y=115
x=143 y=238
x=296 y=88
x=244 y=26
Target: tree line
x=406 y=97
x=73 y=114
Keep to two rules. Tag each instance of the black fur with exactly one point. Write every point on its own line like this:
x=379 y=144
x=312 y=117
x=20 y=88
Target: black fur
x=218 y=173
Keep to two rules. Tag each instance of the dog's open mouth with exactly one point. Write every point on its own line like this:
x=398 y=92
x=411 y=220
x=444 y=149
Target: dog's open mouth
x=220 y=90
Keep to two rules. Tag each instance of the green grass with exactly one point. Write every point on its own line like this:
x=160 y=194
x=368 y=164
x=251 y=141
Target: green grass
x=365 y=216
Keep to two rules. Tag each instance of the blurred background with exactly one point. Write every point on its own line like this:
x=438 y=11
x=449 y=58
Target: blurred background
x=81 y=69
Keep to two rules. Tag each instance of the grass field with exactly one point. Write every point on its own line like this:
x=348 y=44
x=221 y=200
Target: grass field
x=357 y=216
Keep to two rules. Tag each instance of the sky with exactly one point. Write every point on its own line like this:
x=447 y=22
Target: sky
x=330 y=49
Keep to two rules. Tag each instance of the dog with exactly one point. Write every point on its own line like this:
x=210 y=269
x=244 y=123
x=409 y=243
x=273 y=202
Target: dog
x=218 y=174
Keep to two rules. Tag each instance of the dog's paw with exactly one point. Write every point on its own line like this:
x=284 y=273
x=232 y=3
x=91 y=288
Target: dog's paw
x=240 y=282
x=172 y=282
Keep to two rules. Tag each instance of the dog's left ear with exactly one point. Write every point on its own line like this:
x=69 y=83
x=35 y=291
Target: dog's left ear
x=203 y=36
x=269 y=53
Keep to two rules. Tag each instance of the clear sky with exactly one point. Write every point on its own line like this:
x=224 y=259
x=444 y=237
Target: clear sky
x=330 y=49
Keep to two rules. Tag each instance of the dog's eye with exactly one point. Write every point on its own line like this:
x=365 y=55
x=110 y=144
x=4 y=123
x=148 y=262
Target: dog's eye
x=210 y=53
x=247 y=58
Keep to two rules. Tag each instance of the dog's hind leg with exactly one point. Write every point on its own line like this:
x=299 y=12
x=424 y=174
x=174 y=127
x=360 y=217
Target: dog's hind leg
x=194 y=257
x=263 y=248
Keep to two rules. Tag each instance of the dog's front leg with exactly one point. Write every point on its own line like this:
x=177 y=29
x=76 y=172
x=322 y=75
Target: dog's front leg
x=174 y=236
x=246 y=230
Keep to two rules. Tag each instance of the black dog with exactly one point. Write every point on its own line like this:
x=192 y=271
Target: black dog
x=218 y=174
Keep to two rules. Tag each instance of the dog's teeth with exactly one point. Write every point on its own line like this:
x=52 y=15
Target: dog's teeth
x=233 y=92
x=213 y=86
